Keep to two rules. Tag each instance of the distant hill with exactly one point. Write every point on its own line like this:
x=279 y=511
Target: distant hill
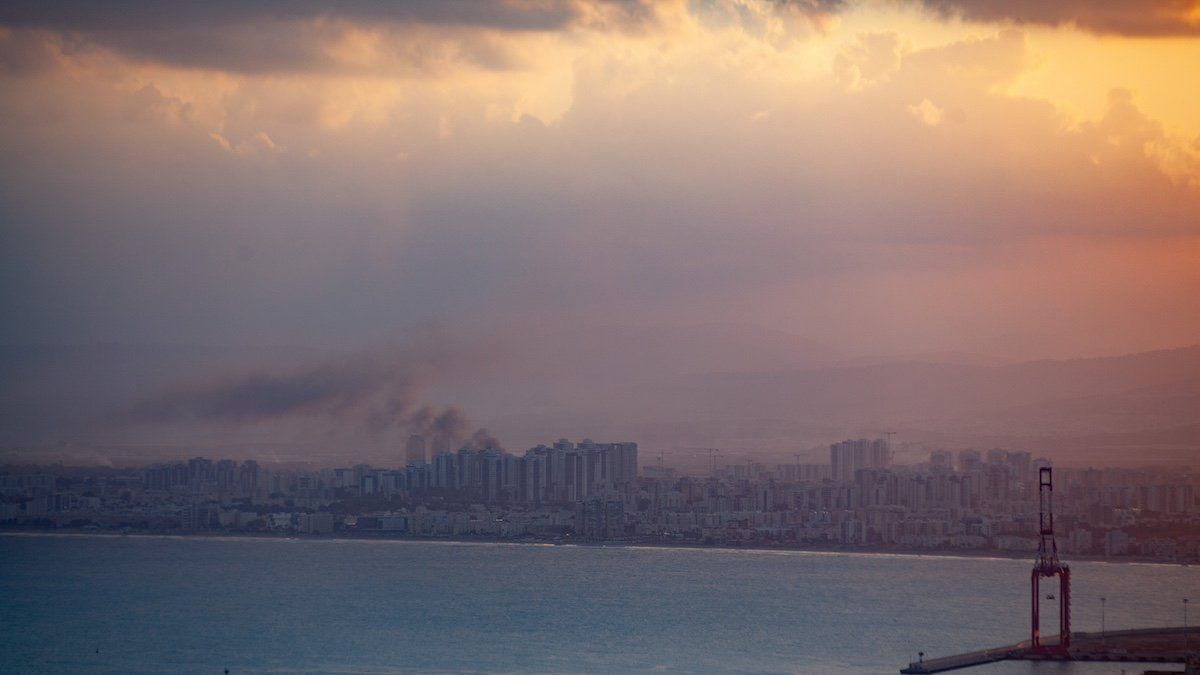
x=755 y=392
x=1103 y=394
x=1050 y=406
x=641 y=351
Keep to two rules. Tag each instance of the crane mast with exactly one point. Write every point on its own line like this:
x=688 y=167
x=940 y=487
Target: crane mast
x=1049 y=566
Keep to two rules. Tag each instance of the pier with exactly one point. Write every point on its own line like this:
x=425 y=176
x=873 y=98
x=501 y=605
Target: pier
x=1145 y=645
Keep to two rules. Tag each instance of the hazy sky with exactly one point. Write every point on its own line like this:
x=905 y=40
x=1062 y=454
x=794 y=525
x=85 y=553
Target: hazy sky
x=1017 y=178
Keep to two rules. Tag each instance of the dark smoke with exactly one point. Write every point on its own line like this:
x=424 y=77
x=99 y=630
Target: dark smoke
x=375 y=396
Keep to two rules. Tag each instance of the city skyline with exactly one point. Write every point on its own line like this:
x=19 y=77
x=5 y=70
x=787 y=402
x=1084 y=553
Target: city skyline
x=859 y=499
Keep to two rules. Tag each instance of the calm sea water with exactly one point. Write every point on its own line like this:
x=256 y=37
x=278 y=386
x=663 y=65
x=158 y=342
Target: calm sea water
x=258 y=605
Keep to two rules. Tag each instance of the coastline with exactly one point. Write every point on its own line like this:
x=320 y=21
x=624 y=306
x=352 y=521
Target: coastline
x=815 y=550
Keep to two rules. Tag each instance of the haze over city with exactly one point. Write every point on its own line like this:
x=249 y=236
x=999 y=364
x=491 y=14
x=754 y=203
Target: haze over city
x=759 y=225
x=599 y=336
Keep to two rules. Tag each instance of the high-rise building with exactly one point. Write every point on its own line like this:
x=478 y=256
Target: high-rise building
x=847 y=457
x=445 y=471
x=200 y=471
x=941 y=460
x=1021 y=463
x=248 y=477
x=226 y=473
x=414 y=451
x=969 y=461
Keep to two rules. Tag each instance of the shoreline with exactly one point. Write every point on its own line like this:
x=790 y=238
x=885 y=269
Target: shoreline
x=818 y=550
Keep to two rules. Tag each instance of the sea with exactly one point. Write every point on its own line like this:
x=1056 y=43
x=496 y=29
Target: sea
x=140 y=604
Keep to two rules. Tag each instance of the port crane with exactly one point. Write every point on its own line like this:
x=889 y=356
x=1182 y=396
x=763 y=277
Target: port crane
x=1048 y=566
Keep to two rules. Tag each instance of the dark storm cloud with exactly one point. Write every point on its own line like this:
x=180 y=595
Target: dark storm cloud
x=278 y=36
x=134 y=15
x=1117 y=17
x=813 y=7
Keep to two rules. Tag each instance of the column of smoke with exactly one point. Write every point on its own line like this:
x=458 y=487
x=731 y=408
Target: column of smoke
x=370 y=396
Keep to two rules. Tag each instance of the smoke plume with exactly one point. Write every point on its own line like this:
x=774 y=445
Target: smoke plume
x=372 y=396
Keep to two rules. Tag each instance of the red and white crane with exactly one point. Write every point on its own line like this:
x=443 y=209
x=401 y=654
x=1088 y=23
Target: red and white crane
x=1048 y=565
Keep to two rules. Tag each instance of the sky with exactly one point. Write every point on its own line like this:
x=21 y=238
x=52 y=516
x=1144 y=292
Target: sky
x=1012 y=178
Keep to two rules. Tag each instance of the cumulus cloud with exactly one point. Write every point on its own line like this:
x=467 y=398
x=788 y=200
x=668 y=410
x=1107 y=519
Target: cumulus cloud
x=927 y=112
x=870 y=60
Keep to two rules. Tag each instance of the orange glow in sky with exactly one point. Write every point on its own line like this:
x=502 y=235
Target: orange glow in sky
x=975 y=175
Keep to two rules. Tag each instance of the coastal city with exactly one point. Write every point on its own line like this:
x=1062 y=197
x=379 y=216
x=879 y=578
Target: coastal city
x=966 y=501
x=600 y=336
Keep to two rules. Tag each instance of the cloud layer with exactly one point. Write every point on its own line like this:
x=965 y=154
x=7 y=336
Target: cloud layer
x=1116 y=17
x=282 y=174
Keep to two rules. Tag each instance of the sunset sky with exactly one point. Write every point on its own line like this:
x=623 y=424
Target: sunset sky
x=1016 y=178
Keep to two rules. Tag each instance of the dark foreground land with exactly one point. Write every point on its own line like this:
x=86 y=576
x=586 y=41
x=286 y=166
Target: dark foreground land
x=1146 y=645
